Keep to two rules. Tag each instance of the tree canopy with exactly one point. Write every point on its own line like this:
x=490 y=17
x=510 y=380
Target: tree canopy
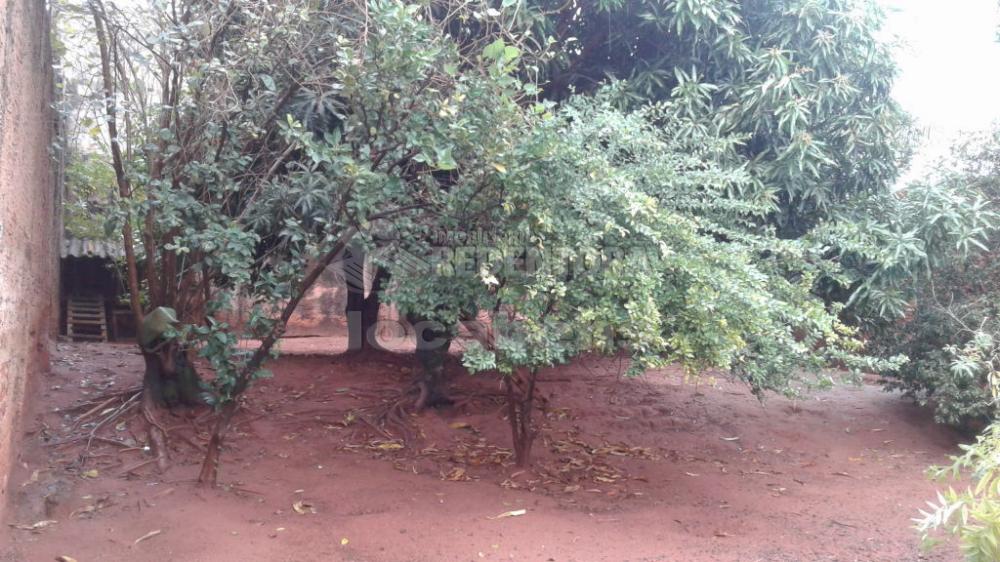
x=686 y=213
x=804 y=84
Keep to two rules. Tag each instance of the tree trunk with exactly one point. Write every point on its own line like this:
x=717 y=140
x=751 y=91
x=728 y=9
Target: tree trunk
x=370 y=309
x=362 y=311
x=209 y=474
x=121 y=177
x=520 y=387
x=170 y=379
x=433 y=342
x=151 y=386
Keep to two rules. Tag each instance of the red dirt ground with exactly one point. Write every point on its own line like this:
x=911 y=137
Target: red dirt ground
x=647 y=469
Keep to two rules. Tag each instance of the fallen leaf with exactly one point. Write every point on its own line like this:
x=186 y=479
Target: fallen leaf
x=92 y=473
x=148 y=535
x=303 y=507
x=33 y=479
x=456 y=474
x=459 y=425
x=36 y=525
x=513 y=513
x=344 y=541
x=85 y=510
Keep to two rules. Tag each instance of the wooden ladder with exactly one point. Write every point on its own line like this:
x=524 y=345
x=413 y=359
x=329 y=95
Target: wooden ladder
x=86 y=319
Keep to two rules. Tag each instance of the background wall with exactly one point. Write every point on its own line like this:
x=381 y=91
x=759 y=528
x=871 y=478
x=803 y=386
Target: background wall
x=28 y=220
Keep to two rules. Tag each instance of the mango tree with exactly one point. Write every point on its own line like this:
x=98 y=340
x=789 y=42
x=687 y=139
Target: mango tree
x=805 y=83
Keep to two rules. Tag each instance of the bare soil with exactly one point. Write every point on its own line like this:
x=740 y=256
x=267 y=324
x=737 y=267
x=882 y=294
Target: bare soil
x=644 y=469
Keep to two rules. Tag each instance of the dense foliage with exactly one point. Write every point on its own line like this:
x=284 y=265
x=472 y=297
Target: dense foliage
x=702 y=182
x=623 y=232
x=926 y=275
x=805 y=83
x=287 y=132
x=946 y=278
x=688 y=214
x=973 y=514
x=88 y=184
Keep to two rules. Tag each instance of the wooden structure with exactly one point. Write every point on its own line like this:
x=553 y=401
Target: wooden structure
x=90 y=290
x=86 y=318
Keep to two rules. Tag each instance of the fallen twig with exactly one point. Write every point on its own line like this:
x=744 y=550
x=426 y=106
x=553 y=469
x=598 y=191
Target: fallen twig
x=148 y=535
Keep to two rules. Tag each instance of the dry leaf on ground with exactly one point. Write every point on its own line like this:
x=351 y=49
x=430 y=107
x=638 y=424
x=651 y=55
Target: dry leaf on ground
x=513 y=513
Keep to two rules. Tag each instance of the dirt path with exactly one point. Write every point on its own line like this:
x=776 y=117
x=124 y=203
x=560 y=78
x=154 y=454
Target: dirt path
x=627 y=470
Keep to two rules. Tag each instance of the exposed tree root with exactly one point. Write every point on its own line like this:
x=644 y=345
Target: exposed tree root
x=390 y=418
x=476 y=400
x=121 y=408
x=157 y=434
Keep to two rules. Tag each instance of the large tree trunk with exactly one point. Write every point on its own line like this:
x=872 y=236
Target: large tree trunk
x=170 y=379
x=362 y=311
x=370 y=309
x=433 y=342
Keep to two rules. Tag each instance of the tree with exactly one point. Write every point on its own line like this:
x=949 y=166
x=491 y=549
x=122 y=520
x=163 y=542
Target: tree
x=922 y=273
x=361 y=309
x=804 y=84
x=246 y=199
x=286 y=133
x=623 y=233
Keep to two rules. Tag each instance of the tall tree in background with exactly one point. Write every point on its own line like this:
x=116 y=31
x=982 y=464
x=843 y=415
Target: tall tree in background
x=805 y=83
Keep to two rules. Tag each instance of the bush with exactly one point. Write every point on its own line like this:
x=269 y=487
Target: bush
x=922 y=274
x=971 y=515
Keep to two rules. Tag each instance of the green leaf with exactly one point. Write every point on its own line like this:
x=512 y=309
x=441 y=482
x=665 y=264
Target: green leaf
x=495 y=50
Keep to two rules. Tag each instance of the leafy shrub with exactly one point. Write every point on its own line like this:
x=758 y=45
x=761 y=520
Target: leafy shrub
x=972 y=515
x=643 y=241
x=923 y=277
